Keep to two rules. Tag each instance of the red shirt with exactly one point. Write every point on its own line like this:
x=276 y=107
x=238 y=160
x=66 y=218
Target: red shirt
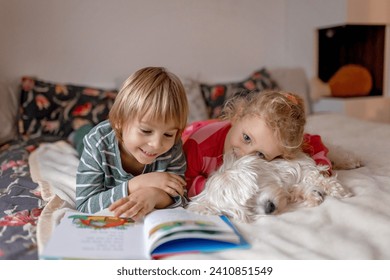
x=203 y=146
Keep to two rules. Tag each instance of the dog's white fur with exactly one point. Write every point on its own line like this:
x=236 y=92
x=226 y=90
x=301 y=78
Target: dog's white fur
x=249 y=187
x=342 y=158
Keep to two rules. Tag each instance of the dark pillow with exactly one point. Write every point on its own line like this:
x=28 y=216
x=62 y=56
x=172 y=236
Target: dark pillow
x=53 y=109
x=215 y=95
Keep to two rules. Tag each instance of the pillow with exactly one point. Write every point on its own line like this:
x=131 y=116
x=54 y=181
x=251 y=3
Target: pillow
x=215 y=95
x=54 y=109
x=197 y=106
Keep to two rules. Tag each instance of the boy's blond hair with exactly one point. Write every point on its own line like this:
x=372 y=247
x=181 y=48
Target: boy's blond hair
x=153 y=92
x=283 y=112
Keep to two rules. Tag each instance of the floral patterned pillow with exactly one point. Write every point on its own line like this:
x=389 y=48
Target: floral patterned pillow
x=55 y=109
x=216 y=95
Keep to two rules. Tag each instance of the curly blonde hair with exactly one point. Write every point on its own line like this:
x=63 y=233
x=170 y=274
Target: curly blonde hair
x=283 y=112
x=153 y=92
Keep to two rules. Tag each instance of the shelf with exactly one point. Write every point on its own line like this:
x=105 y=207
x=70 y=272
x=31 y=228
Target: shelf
x=353 y=44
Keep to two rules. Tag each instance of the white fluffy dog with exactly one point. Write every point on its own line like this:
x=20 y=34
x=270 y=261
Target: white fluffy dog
x=249 y=187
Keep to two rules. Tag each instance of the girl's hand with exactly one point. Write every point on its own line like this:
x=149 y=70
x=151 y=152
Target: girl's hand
x=170 y=183
x=139 y=203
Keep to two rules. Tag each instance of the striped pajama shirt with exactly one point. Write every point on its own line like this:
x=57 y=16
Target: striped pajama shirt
x=101 y=180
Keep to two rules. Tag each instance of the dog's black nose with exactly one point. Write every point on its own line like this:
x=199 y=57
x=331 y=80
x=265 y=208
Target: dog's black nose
x=269 y=207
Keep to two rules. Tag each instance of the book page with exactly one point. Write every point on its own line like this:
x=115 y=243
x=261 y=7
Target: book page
x=84 y=236
x=171 y=224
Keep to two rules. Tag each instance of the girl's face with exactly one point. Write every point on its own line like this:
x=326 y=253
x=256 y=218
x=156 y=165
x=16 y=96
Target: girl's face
x=144 y=140
x=251 y=135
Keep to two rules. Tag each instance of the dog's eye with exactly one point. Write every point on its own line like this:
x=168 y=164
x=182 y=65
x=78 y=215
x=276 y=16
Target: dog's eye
x=260 y=155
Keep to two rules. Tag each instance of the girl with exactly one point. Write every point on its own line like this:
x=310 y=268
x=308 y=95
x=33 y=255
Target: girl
x=133 y=162
x=269 y=124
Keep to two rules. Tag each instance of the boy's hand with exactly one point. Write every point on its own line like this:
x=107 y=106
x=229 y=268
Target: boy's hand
x=139 y=203
x=170 y=183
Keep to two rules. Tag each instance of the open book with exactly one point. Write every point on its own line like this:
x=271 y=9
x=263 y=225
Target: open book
x=162 y=233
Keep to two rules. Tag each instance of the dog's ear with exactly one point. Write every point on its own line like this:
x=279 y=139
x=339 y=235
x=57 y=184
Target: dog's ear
x=203 y=206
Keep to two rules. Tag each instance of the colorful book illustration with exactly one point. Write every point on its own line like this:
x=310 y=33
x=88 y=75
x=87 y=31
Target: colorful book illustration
x=162 y=233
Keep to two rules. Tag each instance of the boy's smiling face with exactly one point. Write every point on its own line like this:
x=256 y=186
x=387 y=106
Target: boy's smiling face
x=145 y=139
x=251 y=135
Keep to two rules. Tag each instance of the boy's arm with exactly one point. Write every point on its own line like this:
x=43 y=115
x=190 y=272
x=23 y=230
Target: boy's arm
x=314 y=147
x=178 y=165
x=142 y=200
x=91 y=194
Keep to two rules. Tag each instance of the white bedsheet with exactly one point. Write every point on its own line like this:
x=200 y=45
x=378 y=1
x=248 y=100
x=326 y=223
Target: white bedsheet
x=353 y=228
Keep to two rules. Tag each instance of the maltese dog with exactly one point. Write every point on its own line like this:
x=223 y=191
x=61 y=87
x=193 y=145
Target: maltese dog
x=249 y=187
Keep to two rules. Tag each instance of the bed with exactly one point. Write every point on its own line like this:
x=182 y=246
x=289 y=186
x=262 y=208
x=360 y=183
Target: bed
x=38 y=168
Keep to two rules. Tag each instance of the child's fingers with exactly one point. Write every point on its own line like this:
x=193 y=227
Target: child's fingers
x=133 y=212
x=129 y=208
x=177 y=184
x=118 y=203
x=175 y=178
x=172 y=184
x=180 y=180
x=121 y=206
x=174 y=189
x=139 y=215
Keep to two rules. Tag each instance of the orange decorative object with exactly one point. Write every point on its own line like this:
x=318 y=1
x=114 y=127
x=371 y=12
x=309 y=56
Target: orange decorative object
x=351 y=80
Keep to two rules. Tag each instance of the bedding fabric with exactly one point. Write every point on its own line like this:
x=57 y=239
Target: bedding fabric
x=352 y=228
x=20 y=203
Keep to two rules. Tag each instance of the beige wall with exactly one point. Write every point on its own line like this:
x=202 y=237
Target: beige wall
x=303 y=19
x=100 y=42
